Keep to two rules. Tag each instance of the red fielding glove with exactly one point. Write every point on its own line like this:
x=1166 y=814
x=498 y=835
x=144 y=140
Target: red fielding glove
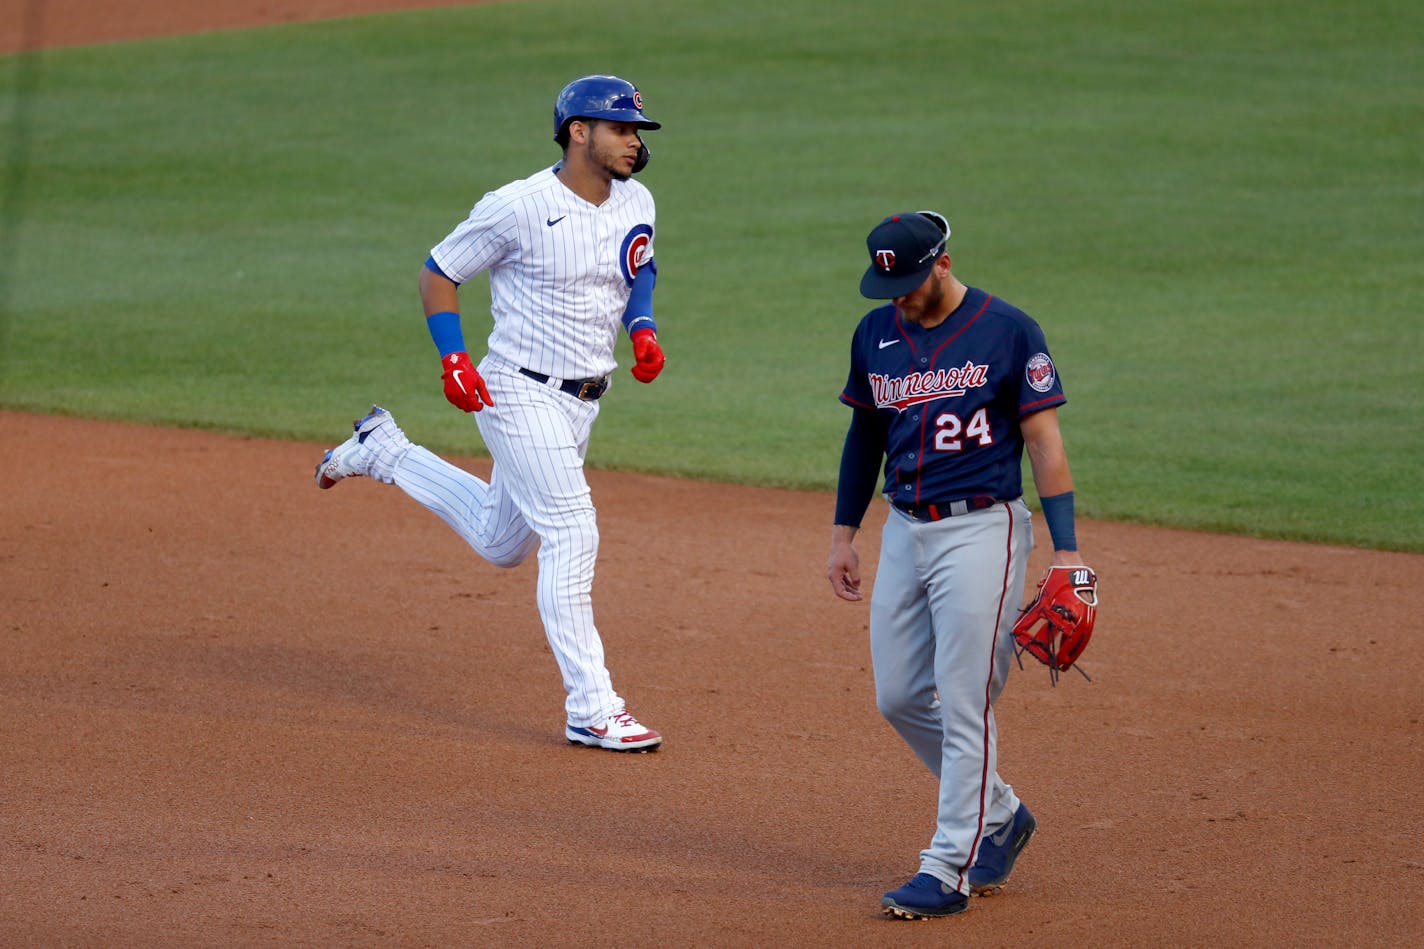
x=463 y=385
x=649 y=355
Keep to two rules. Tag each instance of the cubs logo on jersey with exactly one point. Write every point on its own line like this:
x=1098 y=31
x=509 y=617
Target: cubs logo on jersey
x=636 y=251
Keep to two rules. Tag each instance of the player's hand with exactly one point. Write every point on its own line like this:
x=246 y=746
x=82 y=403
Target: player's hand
x=843 y=569
x=464 y=386
x=649 y=355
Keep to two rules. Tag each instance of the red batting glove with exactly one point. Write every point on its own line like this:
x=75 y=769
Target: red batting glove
x=463 y=385
x=649 y=355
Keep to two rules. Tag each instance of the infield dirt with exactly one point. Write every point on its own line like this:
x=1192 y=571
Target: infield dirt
x=241 y=711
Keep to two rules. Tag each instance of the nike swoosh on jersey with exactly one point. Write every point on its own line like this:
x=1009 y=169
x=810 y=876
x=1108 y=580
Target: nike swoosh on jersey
x=555 y=220
x=888 y=342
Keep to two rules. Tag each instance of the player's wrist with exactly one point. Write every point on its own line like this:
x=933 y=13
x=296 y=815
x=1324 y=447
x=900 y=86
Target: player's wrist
x=1058 y=514
x=445 y=331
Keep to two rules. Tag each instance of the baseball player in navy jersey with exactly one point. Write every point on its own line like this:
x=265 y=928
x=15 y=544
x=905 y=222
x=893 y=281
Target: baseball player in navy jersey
x=569 y=252
x=948 y=385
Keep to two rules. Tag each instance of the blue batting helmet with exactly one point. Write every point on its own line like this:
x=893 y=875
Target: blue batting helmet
x=599 y=97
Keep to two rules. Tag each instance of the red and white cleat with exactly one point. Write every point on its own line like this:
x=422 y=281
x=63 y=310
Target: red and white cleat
x=619 y=732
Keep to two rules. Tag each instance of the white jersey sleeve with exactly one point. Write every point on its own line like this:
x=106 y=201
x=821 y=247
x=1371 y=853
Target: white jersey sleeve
x=479 y=242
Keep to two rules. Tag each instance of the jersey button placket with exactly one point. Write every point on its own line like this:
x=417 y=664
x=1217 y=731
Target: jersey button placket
x=603 y=238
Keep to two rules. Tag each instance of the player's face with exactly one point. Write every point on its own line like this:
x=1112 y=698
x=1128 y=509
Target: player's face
x=923 y=302
x=614 y=146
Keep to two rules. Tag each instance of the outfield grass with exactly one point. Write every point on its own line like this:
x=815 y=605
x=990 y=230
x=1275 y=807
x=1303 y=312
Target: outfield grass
x=1213 y=208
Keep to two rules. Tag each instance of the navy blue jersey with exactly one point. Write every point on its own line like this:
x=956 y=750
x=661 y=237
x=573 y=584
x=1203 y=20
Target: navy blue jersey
x=952 y=397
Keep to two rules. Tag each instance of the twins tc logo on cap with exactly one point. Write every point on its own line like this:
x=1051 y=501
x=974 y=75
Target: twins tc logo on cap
x=904 y=249
x=1040 y=372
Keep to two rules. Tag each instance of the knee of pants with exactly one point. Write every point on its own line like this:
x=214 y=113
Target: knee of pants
x=575 y=533
x=514 y=555
x=900 y=704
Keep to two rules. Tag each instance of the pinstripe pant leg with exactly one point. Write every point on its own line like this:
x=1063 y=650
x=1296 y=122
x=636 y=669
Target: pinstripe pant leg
x=483 y=514
x=538 y=437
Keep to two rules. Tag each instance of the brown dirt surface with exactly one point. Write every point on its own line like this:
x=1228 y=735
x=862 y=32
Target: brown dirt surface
x=34 y=24
x=241 y=711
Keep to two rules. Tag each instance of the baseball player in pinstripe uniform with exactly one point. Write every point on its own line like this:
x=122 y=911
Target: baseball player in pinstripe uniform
x=948 y=385
x=569 y=252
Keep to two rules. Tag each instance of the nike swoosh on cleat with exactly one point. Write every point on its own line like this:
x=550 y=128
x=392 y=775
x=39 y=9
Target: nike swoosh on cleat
x=555 y=220
x=888 y=342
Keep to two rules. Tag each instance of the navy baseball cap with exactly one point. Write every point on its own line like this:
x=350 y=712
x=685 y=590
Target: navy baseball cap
x=903 y=249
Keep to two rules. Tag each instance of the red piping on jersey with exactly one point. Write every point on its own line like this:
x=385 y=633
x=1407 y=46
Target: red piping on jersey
x=1025 y=409
x=988 y=688
x=925 y=418
x=988 y=298
x=901 y=327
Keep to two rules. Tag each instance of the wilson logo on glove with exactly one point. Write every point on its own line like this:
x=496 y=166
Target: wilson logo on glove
x=1056 y=626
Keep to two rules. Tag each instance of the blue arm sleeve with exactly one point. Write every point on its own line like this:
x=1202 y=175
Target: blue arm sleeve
x=860 y=466
x=444 y=326
x=1058 y=512
x=445 y=330
x=638 y=314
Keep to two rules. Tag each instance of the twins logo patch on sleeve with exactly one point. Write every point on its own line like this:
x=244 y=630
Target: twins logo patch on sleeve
x=1039 y=372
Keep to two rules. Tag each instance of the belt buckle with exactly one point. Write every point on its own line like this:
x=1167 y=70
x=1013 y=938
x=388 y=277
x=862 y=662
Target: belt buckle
x=590 y=390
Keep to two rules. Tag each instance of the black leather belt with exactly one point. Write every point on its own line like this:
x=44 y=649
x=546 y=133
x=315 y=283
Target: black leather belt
x=590 y=390
x=938 y=512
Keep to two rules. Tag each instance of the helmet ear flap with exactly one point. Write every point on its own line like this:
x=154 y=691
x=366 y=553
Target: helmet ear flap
x=643 y=155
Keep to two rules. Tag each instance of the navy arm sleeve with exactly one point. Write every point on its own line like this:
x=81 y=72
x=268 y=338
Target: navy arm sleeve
x=860 y=466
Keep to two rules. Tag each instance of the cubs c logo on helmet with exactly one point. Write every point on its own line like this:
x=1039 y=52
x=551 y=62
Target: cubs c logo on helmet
x=885 y=258
x=637 y=99
x=1039 y=372
x=636 y=251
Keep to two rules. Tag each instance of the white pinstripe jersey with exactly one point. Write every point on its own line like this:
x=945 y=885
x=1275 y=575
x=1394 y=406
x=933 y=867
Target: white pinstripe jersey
x=560 y=269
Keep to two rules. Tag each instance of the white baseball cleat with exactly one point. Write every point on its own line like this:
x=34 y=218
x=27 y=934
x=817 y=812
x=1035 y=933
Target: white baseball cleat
x=348 y=460
x=619 y=732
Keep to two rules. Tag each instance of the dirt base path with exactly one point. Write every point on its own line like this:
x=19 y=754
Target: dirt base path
x=34 y=24
x=241 y=711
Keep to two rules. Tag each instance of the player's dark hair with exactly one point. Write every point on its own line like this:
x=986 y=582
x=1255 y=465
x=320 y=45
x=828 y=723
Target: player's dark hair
x=562 y=139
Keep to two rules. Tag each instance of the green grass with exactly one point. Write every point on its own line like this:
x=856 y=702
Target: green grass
x=1215 y=209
